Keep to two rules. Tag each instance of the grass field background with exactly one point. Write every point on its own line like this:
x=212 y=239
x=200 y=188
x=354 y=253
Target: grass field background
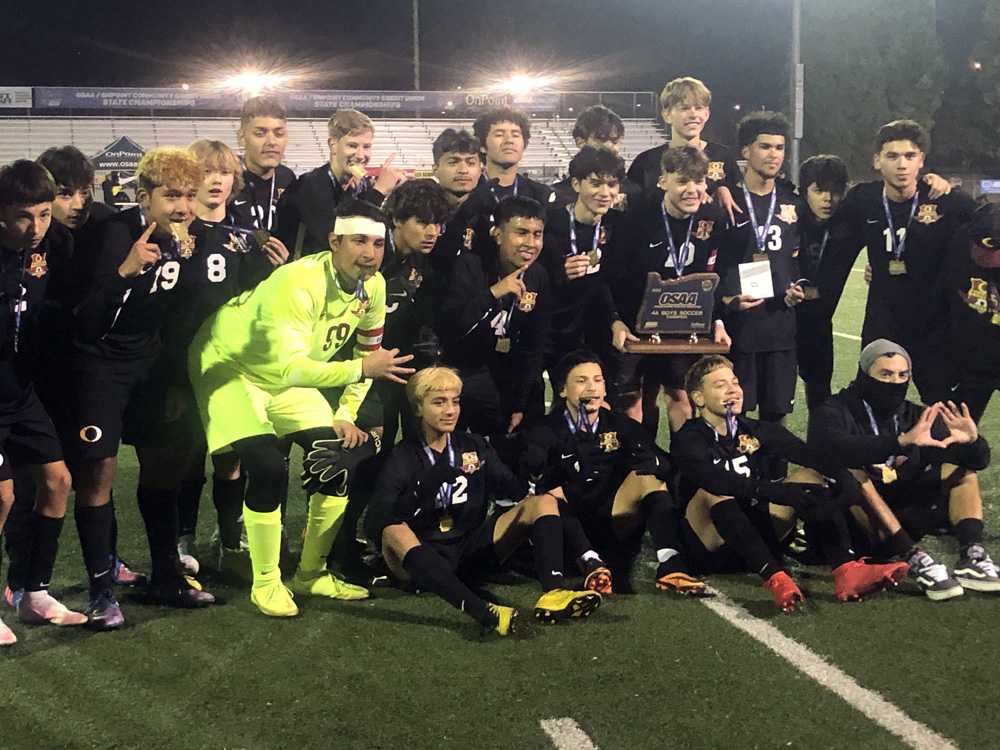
x=646 y=671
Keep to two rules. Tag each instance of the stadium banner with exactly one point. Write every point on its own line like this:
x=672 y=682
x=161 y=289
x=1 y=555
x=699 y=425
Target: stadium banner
x=123 y=156
x=72 y=97
x=15 y=97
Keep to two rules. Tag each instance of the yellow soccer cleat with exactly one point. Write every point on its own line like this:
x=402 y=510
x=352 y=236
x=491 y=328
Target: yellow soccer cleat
x=506 y=620
x=562 y=604
x=274 y=600
x=683 y=584
x=328 y=585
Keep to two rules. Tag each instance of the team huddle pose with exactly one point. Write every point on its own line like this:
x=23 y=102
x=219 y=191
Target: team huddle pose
x=456 y=359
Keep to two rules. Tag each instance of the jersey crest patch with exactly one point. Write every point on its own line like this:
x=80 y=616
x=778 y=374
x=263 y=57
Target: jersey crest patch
x=704 y=230
x=468 y=237
x=527 y=301
x=747 y=444
x=237 y=243
x=928 y=213
x=602 y=236
x=39 y=266
x=621 y=202
x=716 y=170
x=361 y=308
x=609 y=442
x=977 y=295
x=415 y=278
x=470 y=462
x=787 y=213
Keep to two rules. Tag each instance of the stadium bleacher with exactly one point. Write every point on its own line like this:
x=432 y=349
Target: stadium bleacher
x=550 y=149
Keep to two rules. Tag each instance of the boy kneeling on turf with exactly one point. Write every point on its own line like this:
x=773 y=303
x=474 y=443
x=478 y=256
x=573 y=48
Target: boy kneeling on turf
x=611 y=480
x=735 y=518
x=431 y=513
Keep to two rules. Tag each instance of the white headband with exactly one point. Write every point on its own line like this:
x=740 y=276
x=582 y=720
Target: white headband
x=349 y=225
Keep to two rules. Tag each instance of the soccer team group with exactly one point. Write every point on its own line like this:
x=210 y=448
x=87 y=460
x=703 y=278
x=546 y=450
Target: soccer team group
x=401 y=331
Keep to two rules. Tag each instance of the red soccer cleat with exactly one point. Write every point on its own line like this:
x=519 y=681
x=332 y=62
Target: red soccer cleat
x=786 y=594
x=855 y=578
x=599 y=580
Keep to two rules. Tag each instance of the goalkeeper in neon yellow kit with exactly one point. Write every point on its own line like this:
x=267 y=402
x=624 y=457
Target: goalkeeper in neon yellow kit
x=256 y=366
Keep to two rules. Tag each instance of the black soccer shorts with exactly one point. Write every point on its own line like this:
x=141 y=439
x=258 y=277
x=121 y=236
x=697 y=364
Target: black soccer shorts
x=27 y=435
x=474 y=554
x=101 y=389
x=767 y=379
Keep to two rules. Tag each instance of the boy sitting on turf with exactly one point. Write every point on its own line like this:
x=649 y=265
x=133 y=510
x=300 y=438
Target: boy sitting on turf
x=735 y=519
x=430 y=512
x=917 y=466
x=610 y=480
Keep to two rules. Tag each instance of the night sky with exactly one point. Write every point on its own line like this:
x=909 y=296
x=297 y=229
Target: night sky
x=739 y=47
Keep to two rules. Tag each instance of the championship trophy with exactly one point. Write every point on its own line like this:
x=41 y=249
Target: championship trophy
x=676 y=316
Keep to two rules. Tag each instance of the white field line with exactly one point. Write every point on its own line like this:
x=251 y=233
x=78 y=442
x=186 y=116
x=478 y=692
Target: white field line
x=566 y=734
x=868 y=702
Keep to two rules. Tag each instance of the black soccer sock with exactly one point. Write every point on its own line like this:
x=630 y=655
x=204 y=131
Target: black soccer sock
x=284 y=486
x=663 y=523
x=44 y=547
x=575 y=540
x=430 y=572
x=900 y=545
x=969 y=531
x=547 y=544
x=188 y=500
x=736 y=530
x=114 y=525
x=831 y=537
x=94 y=528
x=17 y=534
x=227 y=495
x=159 y=515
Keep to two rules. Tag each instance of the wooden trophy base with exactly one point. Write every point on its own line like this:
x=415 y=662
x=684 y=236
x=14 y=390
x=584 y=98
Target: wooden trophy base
x=676 y=345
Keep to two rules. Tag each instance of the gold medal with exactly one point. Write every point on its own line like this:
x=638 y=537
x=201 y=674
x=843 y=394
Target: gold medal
x=446 y=523
x=594 y=256
x=262 y=236
x=503 y=344
x=810 y=292
x=888 y=474
x=897 y=267
x=758 y=257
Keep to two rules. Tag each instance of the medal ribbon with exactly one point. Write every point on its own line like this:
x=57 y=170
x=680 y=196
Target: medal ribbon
x=493 y=187
x=891 y=461
x=760 y=233
x=582 y=423
x=822 y=249
x=360 y=294
x=898 y=244
x=444 y=491
x=731 y=425
x=573 y=250
x=677 y=258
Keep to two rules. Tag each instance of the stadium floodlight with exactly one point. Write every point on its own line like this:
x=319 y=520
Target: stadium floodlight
x=525 y=83
x=976 y=65
x=254 y=82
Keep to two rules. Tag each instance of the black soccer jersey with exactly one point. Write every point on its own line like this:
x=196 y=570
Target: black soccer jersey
x=735 y=466
x=722 y=169
x=308 y=206
x=891 y=311
x=455 y=508
x=581 y=307
x=257 y=204
x=842 y=429
x=589 y=463
x=506 y=335
x=120 y=318
x=972 y=296
x=770 y=326
x=26 y=281
x=648 y=250
x=411 y=294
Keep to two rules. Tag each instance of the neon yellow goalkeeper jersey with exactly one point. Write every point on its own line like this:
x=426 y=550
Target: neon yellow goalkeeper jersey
x=283 y=333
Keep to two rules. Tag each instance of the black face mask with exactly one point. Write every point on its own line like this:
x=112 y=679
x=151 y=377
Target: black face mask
x=883 y=398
